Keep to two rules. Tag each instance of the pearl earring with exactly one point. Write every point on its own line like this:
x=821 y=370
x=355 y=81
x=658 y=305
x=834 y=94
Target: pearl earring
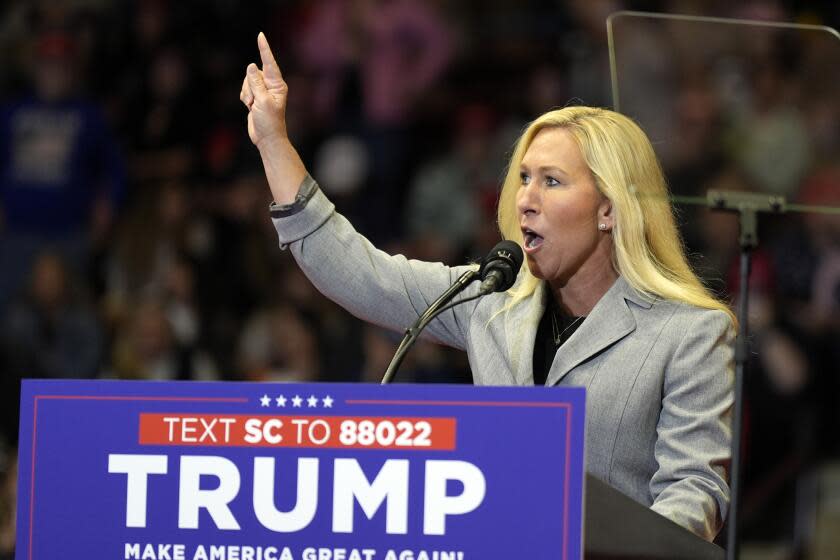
x=602 y=227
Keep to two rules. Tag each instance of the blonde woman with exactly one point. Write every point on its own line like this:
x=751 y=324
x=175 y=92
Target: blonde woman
x=607 y=300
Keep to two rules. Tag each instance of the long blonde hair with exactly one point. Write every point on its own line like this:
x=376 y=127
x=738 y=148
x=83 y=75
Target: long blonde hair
x=647 y=248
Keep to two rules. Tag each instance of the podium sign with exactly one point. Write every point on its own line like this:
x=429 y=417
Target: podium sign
x=119 y=470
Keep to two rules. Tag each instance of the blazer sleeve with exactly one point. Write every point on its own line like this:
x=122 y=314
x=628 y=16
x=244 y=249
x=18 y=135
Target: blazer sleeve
x=390 y=291
x=693 y=446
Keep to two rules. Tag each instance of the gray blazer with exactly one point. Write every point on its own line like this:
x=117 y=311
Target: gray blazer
x=658 y=374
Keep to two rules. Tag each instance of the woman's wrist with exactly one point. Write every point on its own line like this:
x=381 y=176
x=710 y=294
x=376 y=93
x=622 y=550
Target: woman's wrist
x=283 y=168
x=305 y=192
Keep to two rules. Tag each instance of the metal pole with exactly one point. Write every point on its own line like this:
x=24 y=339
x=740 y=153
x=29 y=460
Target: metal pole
x=741 y=357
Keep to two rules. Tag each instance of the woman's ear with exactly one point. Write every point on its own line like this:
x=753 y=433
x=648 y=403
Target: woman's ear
x=606 y=217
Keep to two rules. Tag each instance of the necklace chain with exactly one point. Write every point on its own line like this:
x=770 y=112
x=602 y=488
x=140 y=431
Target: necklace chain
x=555 y=328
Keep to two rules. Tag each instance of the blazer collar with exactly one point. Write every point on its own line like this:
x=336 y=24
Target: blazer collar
x=610 y=320
x=521 y=324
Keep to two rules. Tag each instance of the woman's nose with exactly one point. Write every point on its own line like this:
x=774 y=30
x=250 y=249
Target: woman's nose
x=527 y=199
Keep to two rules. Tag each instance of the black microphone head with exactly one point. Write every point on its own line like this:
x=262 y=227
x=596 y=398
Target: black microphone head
x=506 y=258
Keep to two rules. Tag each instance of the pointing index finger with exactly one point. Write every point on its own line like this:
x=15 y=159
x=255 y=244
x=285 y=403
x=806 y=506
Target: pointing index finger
x=269 y=66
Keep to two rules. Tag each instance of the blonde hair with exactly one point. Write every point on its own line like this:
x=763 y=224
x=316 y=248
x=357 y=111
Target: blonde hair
x=647 y=248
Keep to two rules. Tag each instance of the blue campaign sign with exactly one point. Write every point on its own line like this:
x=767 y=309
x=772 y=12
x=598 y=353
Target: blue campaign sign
x=123 y=470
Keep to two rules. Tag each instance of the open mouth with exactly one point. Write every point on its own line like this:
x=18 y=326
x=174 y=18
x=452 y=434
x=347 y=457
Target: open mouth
x=532 y=239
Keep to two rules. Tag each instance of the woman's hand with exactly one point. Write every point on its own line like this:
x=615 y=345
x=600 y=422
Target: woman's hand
x=264 y=93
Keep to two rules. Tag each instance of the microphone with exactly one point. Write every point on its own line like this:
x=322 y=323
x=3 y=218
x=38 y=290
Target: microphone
x=499 y=269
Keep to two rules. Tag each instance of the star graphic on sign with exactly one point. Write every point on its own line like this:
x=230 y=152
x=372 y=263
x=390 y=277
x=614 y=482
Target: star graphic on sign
x=296 y=400
x=265 y=401
x=281 y=400
x=312 y=401
x=328 y=400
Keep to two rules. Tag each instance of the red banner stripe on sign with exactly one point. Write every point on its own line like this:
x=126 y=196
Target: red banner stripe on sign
x=244 y=430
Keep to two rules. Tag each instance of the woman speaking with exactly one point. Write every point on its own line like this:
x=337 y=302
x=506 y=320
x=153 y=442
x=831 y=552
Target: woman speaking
x=607 y=300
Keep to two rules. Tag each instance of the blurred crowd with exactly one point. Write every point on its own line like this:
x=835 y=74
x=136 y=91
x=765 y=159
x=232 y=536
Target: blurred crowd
x=135 y=241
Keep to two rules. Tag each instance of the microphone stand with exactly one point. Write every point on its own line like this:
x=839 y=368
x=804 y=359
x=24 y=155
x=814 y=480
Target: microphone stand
x=747 y=205
x=413 y=332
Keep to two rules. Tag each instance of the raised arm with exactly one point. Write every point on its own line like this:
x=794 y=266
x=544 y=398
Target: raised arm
x=390 y=291
x=264 y=93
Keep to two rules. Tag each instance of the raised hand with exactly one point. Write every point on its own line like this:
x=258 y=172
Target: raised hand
x=264 y=93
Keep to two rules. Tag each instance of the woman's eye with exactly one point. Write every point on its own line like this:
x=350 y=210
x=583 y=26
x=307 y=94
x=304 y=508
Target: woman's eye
x=551 y=181
x=524 y=178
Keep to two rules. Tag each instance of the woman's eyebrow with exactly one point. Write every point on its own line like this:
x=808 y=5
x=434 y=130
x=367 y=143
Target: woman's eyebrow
x=543 y=169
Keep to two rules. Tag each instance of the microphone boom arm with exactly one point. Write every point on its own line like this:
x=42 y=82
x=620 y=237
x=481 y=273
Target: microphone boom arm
x=413 y=332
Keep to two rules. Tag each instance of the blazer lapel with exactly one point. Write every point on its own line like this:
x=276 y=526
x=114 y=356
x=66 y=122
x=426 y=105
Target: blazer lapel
x=610 y=321
x=520 y=332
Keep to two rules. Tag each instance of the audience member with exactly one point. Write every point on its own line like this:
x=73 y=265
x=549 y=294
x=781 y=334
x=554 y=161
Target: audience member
x=61 y=173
